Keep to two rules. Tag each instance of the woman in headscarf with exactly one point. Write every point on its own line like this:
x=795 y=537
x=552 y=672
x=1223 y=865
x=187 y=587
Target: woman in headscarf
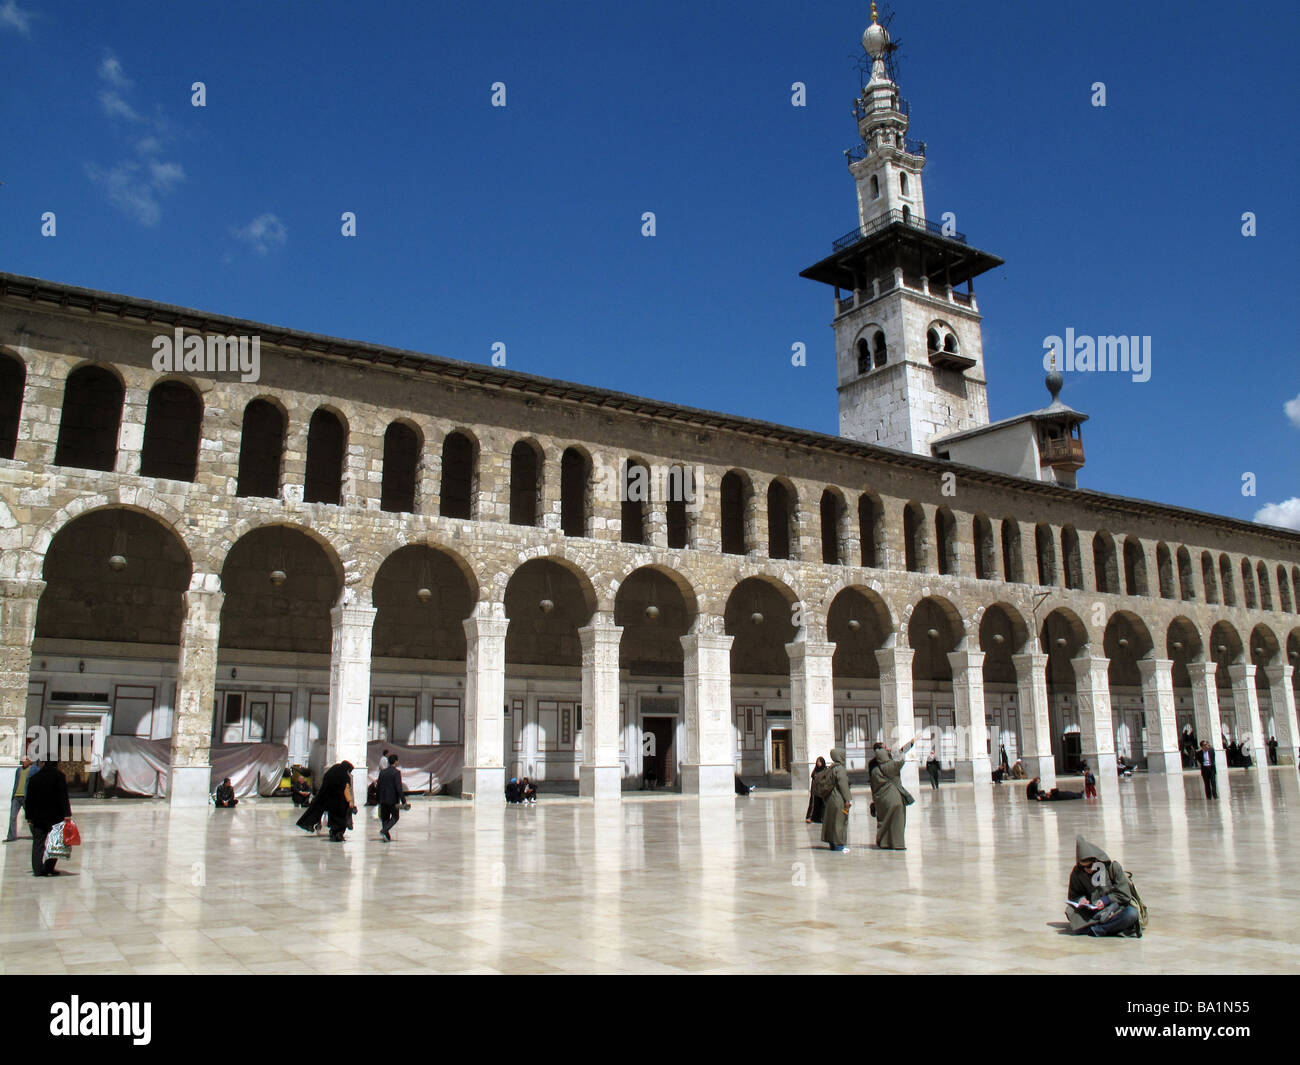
x=333 y=798
x=888 y=795
x=835 y=827
x=816 y=804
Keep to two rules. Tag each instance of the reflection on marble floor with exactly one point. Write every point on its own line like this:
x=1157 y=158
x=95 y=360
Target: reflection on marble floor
x=664 y=886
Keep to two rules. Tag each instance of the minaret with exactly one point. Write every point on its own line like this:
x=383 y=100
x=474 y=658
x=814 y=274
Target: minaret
x=908 y=349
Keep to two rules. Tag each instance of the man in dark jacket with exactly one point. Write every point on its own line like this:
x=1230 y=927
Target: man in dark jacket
x=46 y=805
x=389 y=791
x=1105 y=884
x=1209 y=771
x=333 y=798
x=225 y=797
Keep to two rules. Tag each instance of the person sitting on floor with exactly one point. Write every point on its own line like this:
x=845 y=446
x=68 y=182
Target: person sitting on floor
x=300 y=790
x=528 y=792
x=225 y=797
x=1018 y=771
x=1033 y=791
x=514 y=791
x=1105 y=885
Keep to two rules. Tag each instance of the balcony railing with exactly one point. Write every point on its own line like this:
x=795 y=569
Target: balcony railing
x=1062 y=451
x=860 y=151
x=890 y=218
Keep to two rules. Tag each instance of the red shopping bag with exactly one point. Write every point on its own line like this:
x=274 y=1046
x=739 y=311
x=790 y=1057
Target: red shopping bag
x=70 y=834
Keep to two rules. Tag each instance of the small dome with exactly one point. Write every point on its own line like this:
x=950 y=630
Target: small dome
x=1055 y=382
x=875 y=39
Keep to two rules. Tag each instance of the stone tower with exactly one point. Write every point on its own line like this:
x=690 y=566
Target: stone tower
x=908 y=351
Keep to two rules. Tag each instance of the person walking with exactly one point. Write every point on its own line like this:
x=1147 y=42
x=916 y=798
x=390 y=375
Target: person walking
x=932 y=767
x=46 y=805
x=1209 y=771
x=835 y=826
x=18 y=797
x=335 y=799
x=390 y=798
x=889 y=799
x=816 y=804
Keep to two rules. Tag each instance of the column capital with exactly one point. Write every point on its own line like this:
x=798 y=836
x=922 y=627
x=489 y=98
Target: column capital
x=1151 y=667
x=15 y=589
x=1034 y=661
x=804 y=649
x=1238 y=672
x=694 y=642
x=1279 y=673
x=966 y=661
x=1202 y=670
x=892 y=658
x=602 y=624
x=352 y=615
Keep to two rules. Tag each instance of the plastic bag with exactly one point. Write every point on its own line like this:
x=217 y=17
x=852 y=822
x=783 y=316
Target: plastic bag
x=56 y=846
x=71 y=835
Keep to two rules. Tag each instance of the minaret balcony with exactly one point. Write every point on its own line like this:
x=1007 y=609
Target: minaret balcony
x=950 y=360
x=1063 y=453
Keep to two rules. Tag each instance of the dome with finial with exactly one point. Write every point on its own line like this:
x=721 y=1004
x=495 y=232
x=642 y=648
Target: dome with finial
x=1055 y=382
x=876 y=38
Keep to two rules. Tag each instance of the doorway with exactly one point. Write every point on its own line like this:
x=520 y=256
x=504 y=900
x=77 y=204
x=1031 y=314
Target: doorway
x=658 y=759
x=781 y=745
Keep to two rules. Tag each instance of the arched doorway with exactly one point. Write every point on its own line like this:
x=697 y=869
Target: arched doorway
x=934 y=631
x=759 y=618
x=858 y=624
x=1063 y=636
x=1002 y=635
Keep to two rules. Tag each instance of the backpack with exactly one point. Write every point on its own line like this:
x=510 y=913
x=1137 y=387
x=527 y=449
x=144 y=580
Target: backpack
x=1137 y=900
x=824 y=782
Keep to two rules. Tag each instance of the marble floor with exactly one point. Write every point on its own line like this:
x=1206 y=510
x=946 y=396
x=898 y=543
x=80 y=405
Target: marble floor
x=664 y=884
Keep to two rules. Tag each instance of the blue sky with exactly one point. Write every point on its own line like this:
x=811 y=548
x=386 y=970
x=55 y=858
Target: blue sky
x=523 y=224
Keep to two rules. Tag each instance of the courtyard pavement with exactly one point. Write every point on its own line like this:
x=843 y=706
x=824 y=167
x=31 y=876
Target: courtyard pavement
x=664 y=884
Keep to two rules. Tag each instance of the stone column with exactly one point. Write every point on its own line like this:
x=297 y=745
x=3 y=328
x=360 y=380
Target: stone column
x=1092 y=691
x=709 y=767
x=1284 y=711
x=196 y=691
x=973 y=762
x=1035 y=716
x=18 y=602
x=1245 y=701
x=1205 y=709
x=484 y=777
x=601 y=774
x=349 y=716
x=897 y=720
x=811 y=705
x=1159 y=709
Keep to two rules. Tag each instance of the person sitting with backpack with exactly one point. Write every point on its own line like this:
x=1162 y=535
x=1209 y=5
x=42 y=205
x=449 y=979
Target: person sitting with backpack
x=1104 y=884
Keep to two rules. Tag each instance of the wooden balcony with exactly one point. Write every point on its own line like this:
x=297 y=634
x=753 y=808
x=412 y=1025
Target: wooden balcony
x=1063 y=453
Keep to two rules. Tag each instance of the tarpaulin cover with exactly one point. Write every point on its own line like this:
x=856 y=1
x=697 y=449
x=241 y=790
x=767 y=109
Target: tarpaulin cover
x=143 y=767
x=444 y=762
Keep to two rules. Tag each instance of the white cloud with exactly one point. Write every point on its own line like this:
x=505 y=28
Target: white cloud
x=164 y=176
x=12 y=17
x=1292 y=408
x=1286 y=514
x=116 y=107
x=130 y=190
x=264 y=233
x=111 y=71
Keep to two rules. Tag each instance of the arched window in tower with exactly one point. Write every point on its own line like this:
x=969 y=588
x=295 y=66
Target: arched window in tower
x=832 y=515
x=172 y=423
x=864 y=356
x=1135 y=567
x=261 y=451
x=1283 y=592
x=575 y=478
x=1013 y=563
x=871 y=529
x=326 y=446
x=1104 y=563
x=875 y=187
x=636 y=502
x=91 y=417
x=982 y=535
x=1165 y=571
x=1186 y=582
x=13 y=377
x=907 y=215
x=402 y=448
x=879 y=348
x=525 y=483
x=932 y=341
x=680 y=489
x=950 y=343
x=780 y=518
x=1045 y=549
x=734 y=499
x=914 y=537
x=902 y=183
x=1225 y=576
x=459 y=476
x=1248 y=584
x=945 y=541
x=1208 y=579
x=1071 y=559
x=1265 y=592
x=1295 y=587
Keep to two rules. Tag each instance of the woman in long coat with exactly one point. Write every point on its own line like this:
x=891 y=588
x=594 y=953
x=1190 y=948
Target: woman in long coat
x=887 y=796
x=816 y=804
x=335 y=799
x=835 y=827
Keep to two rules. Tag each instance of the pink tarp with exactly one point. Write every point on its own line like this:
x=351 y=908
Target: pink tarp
x=143 y=767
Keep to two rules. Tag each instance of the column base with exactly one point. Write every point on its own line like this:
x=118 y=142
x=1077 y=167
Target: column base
x=189 y=786
x=977 y=771
x=1169 y=763
x=484 y=784
x=600 y=781
x=1043 y=767
x=708 y=779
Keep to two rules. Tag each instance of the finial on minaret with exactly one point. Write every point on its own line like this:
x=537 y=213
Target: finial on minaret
x=876 y=43
x=873 y=12
x=1055 y=382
